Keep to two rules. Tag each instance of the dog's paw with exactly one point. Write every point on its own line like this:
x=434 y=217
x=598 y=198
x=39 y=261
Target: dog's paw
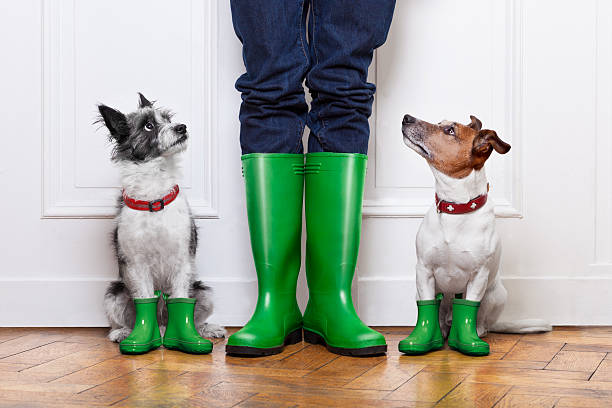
x=118 y=335
x=211 y=330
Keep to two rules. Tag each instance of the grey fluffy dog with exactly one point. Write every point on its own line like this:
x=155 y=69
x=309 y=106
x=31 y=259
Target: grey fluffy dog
x=155 y=250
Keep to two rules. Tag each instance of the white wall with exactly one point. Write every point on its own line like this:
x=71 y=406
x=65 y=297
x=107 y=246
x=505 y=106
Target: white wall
x=540 y=73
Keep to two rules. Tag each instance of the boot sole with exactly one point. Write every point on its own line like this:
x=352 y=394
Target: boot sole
x=186 y=347
x=473 y=352
x=246 y=351
x=432 y=347
x=140 y=349
x=314 y=338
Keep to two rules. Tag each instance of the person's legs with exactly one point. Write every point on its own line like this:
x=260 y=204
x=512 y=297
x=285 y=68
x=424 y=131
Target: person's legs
x=343 y=35
x=272 y=116
x=273 y=110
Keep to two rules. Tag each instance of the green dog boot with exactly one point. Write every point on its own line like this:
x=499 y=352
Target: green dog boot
x=463 y=336
x=145 y=336
x=274 y=194
x=426 y=335
x=181 y=333
x=334 y=194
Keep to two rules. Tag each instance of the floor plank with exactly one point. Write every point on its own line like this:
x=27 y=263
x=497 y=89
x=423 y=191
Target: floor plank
x=308 y=358
x=427 y=387
x=477 y=395
x=604 y=371
x=68 y=364
x=106 y=370
x=10 y=333
x=528 y=350
x=44 y=353
x=24 y=343
x=576 y=361
x=73 y=367
x=385 y=376
x=345 y=368
x=532 y=375
x=502 y=343
x=601 y=348
x=125 y=386
x=329 y=390
x=527 y=401
x=583 y=402
x=292 y=400
x=13 y=367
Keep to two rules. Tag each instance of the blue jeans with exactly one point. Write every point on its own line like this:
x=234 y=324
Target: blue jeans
x=332 y=53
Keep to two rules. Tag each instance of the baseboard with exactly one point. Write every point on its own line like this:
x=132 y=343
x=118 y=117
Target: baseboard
x=380 y=301
x=559 y=300
x=78 y=302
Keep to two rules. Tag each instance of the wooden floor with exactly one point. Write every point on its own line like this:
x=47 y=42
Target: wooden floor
x=569 y=367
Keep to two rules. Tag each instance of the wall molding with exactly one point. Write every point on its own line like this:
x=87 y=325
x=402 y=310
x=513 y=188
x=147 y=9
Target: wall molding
x=380 y=301
x=415 y=202
x=233 y=299
x=63 y=196
x=525 y=300
x=602 y=200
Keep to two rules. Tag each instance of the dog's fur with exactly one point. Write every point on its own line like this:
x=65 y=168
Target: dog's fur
x=460 y=253
x=154 y=250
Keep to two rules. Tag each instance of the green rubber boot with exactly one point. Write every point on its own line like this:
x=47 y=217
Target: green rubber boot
x=181 y=333
x=463 y=336
x=274 y=195
x=145 y=336
x=334 y=194
x=426 y=335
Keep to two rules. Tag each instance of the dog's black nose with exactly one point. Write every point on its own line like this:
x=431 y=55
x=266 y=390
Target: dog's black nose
x=408 y=119
x=182 y=129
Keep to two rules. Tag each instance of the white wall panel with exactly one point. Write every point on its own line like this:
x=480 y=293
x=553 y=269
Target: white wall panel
x=446 y=60
x=104 y=52
x=547 y=90
x=603 y=143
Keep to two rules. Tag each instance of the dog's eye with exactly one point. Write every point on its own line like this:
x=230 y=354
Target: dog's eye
x=149 y=127
x=449 y=131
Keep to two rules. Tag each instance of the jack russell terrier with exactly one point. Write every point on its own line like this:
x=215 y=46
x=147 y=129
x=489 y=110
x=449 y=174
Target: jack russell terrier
x=458 y=249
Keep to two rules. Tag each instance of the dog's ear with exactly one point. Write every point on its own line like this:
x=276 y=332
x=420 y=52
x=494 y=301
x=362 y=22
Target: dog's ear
x=115 y=121
x=475 y=123
x=143 y=102
x=486 y=141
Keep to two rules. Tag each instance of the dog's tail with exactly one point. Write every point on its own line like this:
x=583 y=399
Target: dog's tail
x=522 y=326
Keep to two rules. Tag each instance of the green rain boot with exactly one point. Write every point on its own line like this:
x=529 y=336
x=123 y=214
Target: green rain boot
x=181 y=333
x=274 y=195
x=145 y=336
x=463 y=336
x=426 y=335
x=334 y=194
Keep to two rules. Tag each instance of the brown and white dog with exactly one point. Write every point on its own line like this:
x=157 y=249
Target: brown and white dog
x=458 y=249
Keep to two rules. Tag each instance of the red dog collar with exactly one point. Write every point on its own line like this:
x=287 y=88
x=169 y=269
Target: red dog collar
x=461 y=208
x=152 y=206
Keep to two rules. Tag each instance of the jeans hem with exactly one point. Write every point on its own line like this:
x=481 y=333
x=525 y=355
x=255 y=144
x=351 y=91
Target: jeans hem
x=333 y=154
x=249 y=156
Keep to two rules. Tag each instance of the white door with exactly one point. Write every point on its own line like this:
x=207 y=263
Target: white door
x=540 y=73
